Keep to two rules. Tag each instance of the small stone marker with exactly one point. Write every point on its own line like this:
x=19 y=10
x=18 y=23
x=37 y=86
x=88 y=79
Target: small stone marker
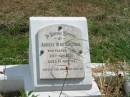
x=59 y=53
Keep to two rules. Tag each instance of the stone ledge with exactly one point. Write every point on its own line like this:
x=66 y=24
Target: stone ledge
x=93 y=92
x=17 y=77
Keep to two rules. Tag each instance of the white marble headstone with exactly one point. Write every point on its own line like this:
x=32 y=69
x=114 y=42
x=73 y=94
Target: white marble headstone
x=59 y=51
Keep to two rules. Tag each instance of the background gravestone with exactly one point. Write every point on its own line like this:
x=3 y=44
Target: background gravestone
x=59 y=53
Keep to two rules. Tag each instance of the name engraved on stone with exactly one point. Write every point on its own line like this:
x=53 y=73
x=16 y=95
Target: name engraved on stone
x=60 y=47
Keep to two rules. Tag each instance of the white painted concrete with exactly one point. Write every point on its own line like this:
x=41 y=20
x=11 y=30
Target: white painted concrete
x=127 y=87
x=18 y=76
x=14 y=76
x=38 y=23
x=93 y=92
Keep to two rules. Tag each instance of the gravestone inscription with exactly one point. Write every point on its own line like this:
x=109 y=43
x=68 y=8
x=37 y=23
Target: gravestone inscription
x=60 y=52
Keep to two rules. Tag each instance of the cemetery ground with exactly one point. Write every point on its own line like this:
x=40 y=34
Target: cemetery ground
x=108 y=27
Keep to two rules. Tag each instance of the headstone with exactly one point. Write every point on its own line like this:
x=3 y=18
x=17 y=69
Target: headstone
x=59 y=54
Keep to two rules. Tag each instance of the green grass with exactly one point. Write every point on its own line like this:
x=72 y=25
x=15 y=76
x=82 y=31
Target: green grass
x=110 y=40
x=108 y=25
x=13 y=49
x=13 y=46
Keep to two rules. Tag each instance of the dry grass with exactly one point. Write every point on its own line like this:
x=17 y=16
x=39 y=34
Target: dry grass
x=10 y=10
x=81 y=8
x=111 y=86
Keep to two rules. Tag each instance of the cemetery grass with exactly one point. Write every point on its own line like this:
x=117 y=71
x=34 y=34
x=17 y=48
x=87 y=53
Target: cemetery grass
x=108 y=24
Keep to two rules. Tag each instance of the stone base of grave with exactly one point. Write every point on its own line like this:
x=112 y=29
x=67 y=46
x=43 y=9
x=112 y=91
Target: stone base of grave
x=94 y=92
x=18 y=76
x=127 y=87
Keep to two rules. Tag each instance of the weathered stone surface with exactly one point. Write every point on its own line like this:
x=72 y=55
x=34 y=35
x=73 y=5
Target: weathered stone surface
x=60 y=52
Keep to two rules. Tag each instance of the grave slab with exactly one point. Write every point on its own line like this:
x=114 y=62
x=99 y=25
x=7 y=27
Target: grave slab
x=93 y=92
x=18 y=76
